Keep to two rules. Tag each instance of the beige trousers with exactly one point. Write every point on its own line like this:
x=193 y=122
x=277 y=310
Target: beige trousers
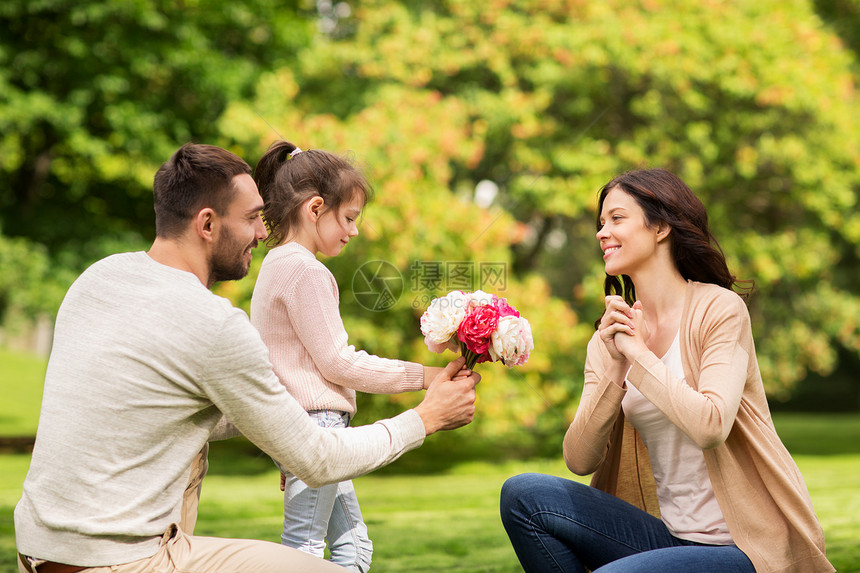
x=191 y=499
x=183 y=553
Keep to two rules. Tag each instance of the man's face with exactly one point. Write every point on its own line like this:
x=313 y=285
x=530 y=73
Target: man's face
x=241 y=228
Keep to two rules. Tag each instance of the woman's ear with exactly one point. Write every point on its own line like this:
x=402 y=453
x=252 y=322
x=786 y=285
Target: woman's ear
x=663 y=231
x=315 y=208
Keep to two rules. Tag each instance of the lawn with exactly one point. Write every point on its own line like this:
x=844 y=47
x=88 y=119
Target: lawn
x=21 y=377
x=427 y=514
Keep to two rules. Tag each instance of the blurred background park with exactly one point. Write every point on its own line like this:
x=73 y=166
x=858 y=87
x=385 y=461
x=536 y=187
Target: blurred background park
x=486 y=129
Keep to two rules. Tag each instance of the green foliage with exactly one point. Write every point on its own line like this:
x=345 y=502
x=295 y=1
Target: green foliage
x=29 y=286
x=844 y=16
x=95 y=94
x=753 y=104
x=408 y=140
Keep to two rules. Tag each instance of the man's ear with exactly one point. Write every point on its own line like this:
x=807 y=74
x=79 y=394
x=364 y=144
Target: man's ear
x=204 y=224
x=315 y=208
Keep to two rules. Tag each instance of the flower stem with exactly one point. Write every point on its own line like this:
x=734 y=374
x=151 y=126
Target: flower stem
x=471 y=357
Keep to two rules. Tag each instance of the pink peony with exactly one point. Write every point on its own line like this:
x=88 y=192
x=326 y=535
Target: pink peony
x=505 y=309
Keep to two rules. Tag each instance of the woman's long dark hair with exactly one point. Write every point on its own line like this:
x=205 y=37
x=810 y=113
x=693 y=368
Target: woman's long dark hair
x=666 y=199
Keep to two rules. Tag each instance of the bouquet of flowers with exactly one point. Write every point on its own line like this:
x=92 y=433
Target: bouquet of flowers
x=484 y=327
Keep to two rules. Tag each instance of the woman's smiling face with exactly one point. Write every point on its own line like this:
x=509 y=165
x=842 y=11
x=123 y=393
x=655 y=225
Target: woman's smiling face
x=625 y=237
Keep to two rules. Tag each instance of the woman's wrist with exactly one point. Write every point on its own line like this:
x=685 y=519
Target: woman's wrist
x=636 y=353
x=618 y=372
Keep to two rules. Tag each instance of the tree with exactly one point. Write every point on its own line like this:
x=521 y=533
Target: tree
x=844 y=16
x=754 y=105
x=407 y=141
x=95 y=94
x=28 y=285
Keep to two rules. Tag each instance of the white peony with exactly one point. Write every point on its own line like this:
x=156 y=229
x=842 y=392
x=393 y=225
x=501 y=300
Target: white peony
x=440 y=321
x=512 y=341
x=480 y=298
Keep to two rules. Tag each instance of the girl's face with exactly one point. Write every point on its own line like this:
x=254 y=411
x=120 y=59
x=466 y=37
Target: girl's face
x=335 y=228
x=625 y=238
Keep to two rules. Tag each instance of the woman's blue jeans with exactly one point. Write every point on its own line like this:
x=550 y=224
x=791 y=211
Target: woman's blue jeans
x=557 y=524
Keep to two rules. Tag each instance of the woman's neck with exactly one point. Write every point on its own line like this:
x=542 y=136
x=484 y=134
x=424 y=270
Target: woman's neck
x=662 y=296
x=662 y=305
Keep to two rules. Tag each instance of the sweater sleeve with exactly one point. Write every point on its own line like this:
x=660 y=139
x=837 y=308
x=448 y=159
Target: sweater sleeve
x=314 y=313
x=244 y=388
x=587 y=439
x=706 y=413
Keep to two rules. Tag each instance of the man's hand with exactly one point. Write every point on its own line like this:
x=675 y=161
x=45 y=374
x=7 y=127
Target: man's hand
x=450 y=399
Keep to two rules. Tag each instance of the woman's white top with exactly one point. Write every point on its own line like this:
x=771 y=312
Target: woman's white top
x=688 y=506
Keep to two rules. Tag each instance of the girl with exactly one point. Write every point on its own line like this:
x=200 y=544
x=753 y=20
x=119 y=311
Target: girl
x=673 y=418
x=312 y=201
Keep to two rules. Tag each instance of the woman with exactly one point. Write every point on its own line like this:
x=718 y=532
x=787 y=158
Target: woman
x=689 y=473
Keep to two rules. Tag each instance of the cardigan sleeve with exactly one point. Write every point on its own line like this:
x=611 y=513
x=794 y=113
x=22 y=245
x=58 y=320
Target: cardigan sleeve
x=705 y=406
x=587 y=439
x=314 y=313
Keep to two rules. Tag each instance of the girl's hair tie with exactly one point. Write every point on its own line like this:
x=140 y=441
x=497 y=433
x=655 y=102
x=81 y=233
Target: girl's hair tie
x=295 y=152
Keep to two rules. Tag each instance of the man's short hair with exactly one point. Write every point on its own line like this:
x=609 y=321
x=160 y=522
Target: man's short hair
x=195 y=177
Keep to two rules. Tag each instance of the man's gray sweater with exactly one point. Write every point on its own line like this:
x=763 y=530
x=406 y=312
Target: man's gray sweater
x=146 y=361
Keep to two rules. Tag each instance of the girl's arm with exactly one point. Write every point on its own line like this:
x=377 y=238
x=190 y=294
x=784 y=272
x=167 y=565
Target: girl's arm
x=587 y=439
x=314 y=313
x=431 y=372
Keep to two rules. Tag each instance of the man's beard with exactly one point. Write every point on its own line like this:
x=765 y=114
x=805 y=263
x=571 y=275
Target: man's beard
x=227 y=262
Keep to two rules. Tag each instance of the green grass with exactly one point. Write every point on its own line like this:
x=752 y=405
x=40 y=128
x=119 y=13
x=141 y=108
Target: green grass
x=425 y=520
x=429 y=511
x=21 y=378
x=418 y=522
x=445 y=521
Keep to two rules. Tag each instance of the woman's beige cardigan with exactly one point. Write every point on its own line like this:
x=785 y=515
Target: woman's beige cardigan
x=722 y=408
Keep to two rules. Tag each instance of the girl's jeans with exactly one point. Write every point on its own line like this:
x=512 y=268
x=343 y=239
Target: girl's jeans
x=314 y=516
x=557 y=524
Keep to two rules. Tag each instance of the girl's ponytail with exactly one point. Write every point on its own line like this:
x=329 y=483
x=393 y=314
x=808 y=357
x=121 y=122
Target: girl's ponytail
x=286 y=177
x=268 y=166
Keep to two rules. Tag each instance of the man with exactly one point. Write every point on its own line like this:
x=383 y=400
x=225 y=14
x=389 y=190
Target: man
x=147 y=361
